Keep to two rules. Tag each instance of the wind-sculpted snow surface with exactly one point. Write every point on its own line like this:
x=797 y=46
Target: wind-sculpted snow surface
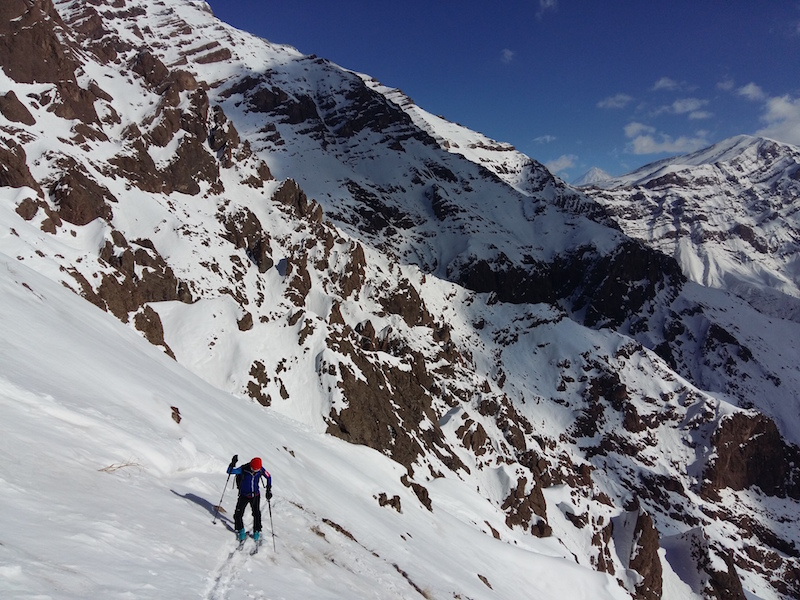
x=465 y=379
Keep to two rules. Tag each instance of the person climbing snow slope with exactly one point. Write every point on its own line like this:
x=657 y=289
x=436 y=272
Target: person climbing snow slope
x=247 y=478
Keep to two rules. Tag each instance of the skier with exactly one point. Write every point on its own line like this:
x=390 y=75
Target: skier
x=248 y=477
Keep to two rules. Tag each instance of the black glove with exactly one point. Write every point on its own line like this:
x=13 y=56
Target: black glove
x=269 y=494
x=234 y=460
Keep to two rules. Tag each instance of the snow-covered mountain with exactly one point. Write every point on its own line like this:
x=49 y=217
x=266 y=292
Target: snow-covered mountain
x=466 y=379
x=727 y=214
x=593 y=176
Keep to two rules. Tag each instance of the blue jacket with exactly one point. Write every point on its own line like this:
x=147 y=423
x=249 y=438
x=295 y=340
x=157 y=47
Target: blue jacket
x=249 y=484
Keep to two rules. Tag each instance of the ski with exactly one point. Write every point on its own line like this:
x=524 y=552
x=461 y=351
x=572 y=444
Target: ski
x=257 y=542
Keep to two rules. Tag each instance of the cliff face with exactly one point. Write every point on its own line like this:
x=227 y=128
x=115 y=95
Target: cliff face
x=297 y=234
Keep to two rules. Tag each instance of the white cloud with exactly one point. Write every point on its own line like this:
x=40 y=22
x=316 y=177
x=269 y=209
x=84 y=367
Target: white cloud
x=546 y=6
x=562 y=163
x=507 y=55
x=687 y=105
x=616 y=101
x=726 y=85
x=634 y=129
x=646 y=140
x=752 y=92
x=665 y=83
x=661 y=143
x=782 y=116
x=691 y=106
x=545 y=139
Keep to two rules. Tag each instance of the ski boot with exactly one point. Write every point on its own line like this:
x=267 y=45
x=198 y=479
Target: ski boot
x=257 y=536
x=241 y=534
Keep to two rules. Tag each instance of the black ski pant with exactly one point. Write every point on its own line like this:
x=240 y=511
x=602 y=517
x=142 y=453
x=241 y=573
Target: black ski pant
x=255 y=507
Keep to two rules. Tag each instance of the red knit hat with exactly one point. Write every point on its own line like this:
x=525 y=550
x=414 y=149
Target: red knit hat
x=255 y=464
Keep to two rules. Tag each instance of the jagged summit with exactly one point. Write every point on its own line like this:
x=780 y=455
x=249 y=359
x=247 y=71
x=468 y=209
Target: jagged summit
x=480 y=364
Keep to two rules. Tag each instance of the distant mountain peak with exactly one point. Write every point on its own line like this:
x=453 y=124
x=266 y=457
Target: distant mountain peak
x=747 y=151
x=591 y=177
x=728 y=213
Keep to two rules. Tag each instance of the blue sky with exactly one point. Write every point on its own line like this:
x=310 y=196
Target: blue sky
x=574 y=84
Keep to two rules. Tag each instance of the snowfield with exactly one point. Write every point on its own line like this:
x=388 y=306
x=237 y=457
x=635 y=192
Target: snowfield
x=107 y=496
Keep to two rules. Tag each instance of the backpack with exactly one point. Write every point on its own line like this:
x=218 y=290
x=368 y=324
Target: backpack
x=240 y=475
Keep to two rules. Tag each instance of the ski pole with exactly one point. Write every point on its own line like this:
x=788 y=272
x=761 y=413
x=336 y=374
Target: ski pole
x=216 y=512
x=271 y=526
x=234 y=460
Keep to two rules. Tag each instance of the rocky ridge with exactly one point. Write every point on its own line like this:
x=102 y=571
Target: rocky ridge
x=475 y=322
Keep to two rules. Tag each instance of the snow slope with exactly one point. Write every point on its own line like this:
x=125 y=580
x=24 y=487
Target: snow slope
x=107 y=496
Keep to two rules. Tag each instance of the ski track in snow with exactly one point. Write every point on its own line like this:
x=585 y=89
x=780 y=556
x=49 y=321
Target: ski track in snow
x=222 y=582
x=224 y=578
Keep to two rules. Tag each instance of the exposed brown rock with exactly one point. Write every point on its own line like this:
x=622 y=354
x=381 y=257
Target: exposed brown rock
x=715 y=584
x=405 y=302
x=726 y=585
x=150 y=68
x=167 y=126
x=216 y=56
x=645 y=559
x=420 y=490
x=394 y=501
x=149 y=323
x=375 y=214
x=385 y=408
x=14 y=170
x=751 y=452
x=290 y=195
x=522 y=506
x=299 y=279
x=75 y=102
x=259 y=381
x=273 y=99
x=126 y=291
x=244 y=230
x=30 y=50
x=14 y=110
x=80 y=199
x=443 y=207
x=607 y=288
x=192 y=163
x=355 y=271
x=473 y=439
x=194 y=120
x=600 y=539
x=27 y=209
x=223 y=139
x=136 y=165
